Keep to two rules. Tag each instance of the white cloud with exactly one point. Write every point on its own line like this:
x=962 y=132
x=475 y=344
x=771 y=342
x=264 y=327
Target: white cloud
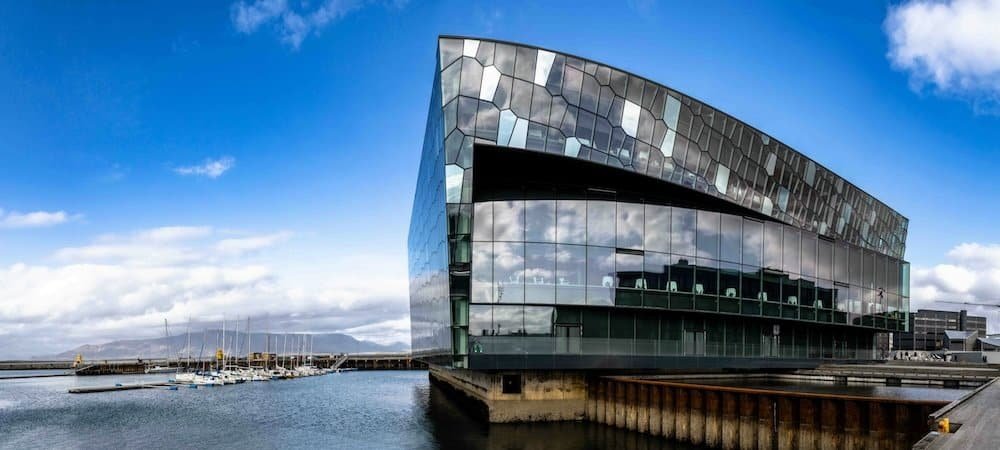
x=36 y=219
x=972 y=274
x=953 y=45
x=294 y=25
x=123 y=286
x=211 y=168
x=236 y=246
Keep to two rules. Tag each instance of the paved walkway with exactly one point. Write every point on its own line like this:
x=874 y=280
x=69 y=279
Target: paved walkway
x=975 y=415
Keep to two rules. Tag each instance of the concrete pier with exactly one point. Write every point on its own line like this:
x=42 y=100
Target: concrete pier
x=684 y=409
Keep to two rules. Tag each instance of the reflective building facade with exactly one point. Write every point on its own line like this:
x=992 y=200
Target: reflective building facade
x=572 y=215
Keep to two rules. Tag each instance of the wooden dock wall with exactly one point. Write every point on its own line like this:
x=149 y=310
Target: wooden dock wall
x=746 y=418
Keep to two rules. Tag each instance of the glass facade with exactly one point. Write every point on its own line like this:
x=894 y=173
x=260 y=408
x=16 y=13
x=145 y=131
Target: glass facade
x=811 y=269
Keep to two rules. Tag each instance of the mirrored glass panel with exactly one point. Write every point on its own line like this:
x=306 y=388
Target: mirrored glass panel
x=571 y=221
x=708 y=234
x=482 y=272
x=540 y=220
x=630 y=225
x=657 y=230
x=571 y=274
x=508 y=220
x=683 y=232
x=753 y=242
x=508 y=272
x=540 y=273
x=601 y=223
x=600 y=276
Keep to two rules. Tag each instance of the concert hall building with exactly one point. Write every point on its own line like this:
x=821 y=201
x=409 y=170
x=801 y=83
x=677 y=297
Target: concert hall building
x=571 y=215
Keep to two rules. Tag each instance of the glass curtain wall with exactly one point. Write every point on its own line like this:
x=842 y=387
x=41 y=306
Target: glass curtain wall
x=531 y=255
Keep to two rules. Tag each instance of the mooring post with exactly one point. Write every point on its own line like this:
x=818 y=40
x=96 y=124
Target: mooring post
x=830 y=424
x=713 y=420
x=766 y=421
x=696 y=431
x=903 y=425
x=808 y=432
x=668 y=413
x=730 y=421
x=602 y=402
x=748 y=422
x=631 y=408
x=620 y=404
x=878 y=419
x=642 y=418
x=787 y=424
x=592 y=400
x=681 y=415
x=609 y=402
x=655 y=395
x=854 y=437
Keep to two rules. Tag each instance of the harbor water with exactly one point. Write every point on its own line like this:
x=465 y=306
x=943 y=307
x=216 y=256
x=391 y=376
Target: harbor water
x=352 y=410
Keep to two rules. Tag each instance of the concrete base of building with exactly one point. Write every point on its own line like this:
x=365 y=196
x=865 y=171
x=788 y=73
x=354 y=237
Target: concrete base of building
x=529 y=396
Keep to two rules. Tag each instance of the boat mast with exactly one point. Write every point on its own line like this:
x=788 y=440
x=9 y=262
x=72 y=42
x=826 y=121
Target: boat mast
x=223 y=347
x=248 y=341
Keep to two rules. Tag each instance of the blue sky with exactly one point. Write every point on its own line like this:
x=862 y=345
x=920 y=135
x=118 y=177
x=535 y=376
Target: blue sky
x=206 y=158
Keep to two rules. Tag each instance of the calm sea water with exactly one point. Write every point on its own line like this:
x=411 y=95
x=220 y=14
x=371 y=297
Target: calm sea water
x=355 y=410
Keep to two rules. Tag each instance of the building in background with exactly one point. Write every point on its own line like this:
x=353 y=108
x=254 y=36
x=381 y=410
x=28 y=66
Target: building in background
x=570 y=215
x=928 y=331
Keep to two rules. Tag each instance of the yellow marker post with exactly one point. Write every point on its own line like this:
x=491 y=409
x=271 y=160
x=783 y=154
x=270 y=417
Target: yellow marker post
x=944 y=426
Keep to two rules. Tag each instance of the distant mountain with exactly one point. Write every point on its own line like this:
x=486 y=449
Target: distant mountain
x=204 y=343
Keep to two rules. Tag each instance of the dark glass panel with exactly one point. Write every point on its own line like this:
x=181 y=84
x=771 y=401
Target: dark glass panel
x=706 y=281
x=729 y=280
x=656 y=267
x=772 y=287
x=751 y=283
x=538 y=320
x=622 y=325
x=681 y=275
x=595 y=323
x=629 y=270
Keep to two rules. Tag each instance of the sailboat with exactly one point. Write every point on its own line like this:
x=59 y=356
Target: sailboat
x=162 y=369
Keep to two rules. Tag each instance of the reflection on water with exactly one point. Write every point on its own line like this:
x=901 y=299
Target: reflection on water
x=864 y=390
x=354 y=410
x=377 y=410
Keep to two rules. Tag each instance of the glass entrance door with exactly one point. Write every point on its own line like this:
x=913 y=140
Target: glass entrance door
x=568 y=338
